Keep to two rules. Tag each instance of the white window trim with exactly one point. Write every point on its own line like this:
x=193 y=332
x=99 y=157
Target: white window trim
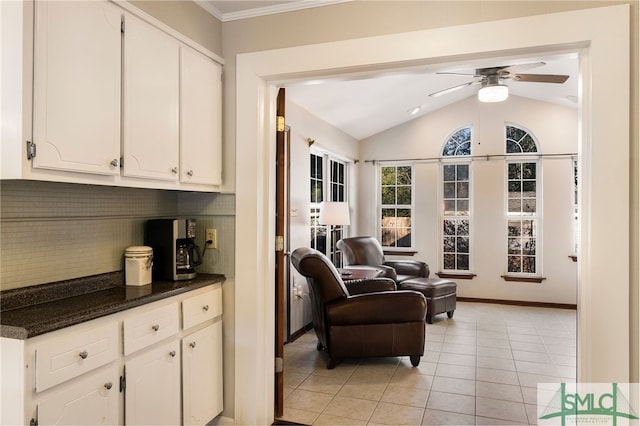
x=379 y=203
x=449 y=161
x=327 y=158
x=523 y=158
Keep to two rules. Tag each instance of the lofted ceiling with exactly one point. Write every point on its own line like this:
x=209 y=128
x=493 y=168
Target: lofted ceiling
x=366 y=104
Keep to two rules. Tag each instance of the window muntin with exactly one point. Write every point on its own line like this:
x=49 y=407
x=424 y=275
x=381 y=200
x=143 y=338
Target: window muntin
x=459 y=143
x=522 y=196
x=316 y=180
x=519 y=141
x=521 y=243
x=455 y=230
x=456 y=203
x=338 y=181
x=337 y=193
x=396 y=206
x=328 y=182
x=522 y=185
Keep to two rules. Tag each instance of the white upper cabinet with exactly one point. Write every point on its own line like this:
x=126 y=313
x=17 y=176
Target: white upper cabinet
x=77 y=68
x=99 y=92
x=200 y=119
x=150 y=104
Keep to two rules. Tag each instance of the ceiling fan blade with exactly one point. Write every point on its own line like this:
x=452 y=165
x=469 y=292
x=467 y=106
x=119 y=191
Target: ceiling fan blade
x=540 y=78
x=459 y=73
x=452 y=89
x=514 y=69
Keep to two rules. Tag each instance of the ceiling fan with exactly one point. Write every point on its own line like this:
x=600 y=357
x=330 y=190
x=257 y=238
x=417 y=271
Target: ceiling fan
x=491 y=79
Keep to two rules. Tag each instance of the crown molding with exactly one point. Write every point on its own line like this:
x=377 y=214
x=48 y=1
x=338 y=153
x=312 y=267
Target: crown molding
x=268 y=10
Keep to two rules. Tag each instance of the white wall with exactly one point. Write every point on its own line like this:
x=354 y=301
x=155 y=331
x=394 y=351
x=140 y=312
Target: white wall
x=556 y=129
x=327 y=138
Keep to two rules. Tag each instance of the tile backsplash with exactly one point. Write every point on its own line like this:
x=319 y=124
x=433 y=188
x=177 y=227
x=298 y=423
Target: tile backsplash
x=57 y=231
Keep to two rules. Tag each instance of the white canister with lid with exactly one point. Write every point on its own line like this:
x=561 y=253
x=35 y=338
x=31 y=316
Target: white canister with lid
x=138 y=261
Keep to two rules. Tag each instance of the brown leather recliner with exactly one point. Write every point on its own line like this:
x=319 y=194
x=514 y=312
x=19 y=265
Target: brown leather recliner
x=408 y=274
x=352 y=322
x=368 y=251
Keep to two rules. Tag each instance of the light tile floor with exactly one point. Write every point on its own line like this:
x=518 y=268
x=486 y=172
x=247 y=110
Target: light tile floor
x=480 y=367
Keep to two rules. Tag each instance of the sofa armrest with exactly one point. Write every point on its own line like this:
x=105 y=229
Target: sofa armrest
x=415 y=268
x=371 y=285
x=378 y=308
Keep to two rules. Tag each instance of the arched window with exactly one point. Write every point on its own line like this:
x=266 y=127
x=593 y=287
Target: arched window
x=456 y=202
x=519 y=141
x=522 y=195
x=459 y=143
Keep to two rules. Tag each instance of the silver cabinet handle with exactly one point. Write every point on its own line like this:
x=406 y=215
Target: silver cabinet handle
x=114 y=162
x=108 y=385
x=190 y=173
x=192 y=345
x=83 y=354
x=205 y=308
x=155 y=327
x=172 y=354
x=174 y=170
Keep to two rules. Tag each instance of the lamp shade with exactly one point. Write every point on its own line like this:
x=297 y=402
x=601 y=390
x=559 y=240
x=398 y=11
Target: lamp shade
x=493 y=93
x=334 y=213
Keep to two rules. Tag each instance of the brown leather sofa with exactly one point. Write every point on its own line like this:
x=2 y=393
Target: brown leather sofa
x=353 y=322
x=408 y=274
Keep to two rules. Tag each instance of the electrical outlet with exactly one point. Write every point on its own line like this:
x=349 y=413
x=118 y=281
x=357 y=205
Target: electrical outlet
x=212 y=235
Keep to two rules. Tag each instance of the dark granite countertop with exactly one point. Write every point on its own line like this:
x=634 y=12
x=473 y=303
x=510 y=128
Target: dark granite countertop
x=35 y=310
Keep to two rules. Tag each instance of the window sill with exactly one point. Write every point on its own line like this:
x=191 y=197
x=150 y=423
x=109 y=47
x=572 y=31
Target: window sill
x=400 y=252
x=536 y=280
x=460 y=276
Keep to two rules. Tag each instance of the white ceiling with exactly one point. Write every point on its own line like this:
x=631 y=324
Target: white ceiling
x=364 y=105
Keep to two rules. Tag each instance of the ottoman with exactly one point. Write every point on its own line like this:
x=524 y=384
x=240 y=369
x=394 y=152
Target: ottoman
x=440 y=294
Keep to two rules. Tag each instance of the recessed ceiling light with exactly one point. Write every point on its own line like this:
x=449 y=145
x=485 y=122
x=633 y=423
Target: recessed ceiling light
x=414 y=110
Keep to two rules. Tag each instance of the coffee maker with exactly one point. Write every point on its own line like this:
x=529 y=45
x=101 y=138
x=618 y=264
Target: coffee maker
x=175 y=253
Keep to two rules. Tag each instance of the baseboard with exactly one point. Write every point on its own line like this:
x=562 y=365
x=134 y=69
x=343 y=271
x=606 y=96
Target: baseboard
x=518 y=303
x=295 y=336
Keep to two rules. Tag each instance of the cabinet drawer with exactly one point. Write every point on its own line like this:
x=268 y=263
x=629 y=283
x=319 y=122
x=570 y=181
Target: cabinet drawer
x=61 y=359
x=147 y=328
x=203 y=307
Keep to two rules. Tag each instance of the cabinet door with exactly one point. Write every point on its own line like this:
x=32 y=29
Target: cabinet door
x=152 y=396
x=77 y=68
x=151 y=84
x=88 y=400
x=202 y=375
x=200 y=119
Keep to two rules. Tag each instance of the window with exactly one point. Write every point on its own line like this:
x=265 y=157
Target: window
x=523 y=220
x=456 y=203
x=455 y=220
x=328 y=182
x=337 y=192
x=396 y=206
x=458 y=143
x=318 y=232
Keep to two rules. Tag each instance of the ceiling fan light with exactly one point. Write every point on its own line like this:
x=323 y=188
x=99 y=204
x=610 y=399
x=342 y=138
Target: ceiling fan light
x=493 y=93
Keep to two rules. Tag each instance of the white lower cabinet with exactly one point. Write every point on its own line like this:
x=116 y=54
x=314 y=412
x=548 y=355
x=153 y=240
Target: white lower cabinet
x=201 y=373
x=152 y=394
x=135 y=367
x=90 y=400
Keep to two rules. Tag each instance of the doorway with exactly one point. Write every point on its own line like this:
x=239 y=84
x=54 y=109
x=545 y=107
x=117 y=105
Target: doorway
x=608 y=329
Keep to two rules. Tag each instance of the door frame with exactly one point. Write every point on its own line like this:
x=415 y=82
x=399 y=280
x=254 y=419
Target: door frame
x=600 y=35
